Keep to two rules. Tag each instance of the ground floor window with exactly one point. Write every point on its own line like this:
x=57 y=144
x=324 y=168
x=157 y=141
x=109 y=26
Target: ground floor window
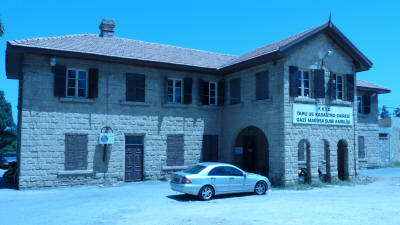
x=76 y=151
x=175 y=150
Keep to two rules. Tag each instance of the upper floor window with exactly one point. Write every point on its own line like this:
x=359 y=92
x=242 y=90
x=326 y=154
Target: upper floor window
x=212 y=93
x=235 y=91
x=262 y=86
x=77 y=83
x=340 y=86
x=174 y=94
x=364 y=104
x=304 y=83
x=135 y=87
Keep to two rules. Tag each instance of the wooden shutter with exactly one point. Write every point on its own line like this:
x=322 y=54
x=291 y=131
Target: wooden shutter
x=210 y=148
x=294 y=81
x=350 y=87
x=332 y=86
x=76 y=151
x=235 y=91
x=366 y=104
x=165 y=84
x=130 y=94
x=60 y=80
x=203 y=92
x=262 y=85
x=187 y=90
x=175 y=150
x=221 y=92
x=140 y=87
x=93 y=83
x=319 y=84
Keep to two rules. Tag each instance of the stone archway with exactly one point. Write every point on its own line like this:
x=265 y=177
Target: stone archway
x=251 y=151
x=327 y=159
x=304 y=159
x=343 y=160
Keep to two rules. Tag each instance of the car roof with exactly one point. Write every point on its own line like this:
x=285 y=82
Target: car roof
x=214 y=164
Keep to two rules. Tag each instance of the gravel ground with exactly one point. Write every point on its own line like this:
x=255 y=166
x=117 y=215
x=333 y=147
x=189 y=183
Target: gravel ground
x=154 y=203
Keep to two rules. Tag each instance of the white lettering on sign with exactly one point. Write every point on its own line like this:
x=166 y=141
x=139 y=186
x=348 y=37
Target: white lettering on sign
x=322 y=115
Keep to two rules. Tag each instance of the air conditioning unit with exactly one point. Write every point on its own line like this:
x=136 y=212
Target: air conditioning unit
x=106 y=138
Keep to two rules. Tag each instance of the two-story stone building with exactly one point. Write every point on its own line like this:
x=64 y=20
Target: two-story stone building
x=283 y=106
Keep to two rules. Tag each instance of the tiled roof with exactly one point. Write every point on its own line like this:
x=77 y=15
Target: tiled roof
x=127 y=48
x=361 y=84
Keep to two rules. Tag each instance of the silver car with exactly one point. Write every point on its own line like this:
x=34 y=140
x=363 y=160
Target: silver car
x=208 y=179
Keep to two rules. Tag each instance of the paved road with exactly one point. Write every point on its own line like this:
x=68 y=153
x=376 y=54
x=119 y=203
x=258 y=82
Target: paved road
x=155 y=203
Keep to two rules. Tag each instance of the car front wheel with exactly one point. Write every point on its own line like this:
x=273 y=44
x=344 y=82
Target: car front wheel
x=206 y=193
x=260 y=188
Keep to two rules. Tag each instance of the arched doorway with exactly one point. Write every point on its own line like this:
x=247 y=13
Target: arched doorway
x=342 y=160
x=251 y=151
x=327 y=158
x=304 y=161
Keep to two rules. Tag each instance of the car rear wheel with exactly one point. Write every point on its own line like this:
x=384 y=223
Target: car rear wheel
x=260 y=188
x=206 y=193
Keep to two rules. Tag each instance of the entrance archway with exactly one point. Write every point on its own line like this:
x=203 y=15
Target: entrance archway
x=327 y=158
x=304 y=161
x=342 y=160
x=251 y=151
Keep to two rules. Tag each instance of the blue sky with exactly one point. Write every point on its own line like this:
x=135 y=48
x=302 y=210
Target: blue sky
x=233 y=27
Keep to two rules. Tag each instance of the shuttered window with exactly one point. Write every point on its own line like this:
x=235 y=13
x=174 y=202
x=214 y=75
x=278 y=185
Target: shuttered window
x=361 y=147
x=304 y=83
x=76 y=151
x=319 y=83
x=349 y=87
x=174 y=91
x=364 y=104
x=175 y=150
x=187 y=90
x=339 y=81
x=135 y=87
x=221 y=92
x=77 y=83
x=294 y=81
x=209 y=152
x=262 y=85
x=235 y=91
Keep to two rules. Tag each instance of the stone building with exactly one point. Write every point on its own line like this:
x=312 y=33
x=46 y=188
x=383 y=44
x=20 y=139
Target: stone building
x=288 y=105
x=389 y=138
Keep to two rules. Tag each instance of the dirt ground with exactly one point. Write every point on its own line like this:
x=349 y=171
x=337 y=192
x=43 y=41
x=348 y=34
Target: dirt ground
x=154 y=203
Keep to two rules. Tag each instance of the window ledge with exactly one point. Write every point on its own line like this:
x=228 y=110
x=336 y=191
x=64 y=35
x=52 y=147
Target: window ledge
x=75 y=172
x=169 y=168
x=341 y=102
x=77 y=100
x=263 y=101
x=172 y=105
x=235 y=105
x=305 y=99
x=215 y=107
x=132 y=103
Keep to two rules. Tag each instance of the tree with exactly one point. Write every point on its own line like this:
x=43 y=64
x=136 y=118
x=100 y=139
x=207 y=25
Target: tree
x=396 y=112
x=384 y=112
x=8 y=131
x=1 y=28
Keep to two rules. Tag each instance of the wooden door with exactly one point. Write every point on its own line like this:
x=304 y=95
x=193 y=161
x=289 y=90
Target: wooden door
x=133 y=163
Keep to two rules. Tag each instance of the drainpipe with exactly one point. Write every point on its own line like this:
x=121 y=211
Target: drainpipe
x=354 y=122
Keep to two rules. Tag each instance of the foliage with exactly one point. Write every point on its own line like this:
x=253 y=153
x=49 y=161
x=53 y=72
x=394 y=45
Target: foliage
x=8 y=131
x=384 y=112
x=1 y=28
x=396 y=112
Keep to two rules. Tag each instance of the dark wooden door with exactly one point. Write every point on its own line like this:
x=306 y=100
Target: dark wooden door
x=210 y=148
x=133 y=163
x=249 y=153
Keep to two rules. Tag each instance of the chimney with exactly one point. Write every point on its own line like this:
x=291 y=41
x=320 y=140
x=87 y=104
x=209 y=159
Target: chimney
x=107 y=28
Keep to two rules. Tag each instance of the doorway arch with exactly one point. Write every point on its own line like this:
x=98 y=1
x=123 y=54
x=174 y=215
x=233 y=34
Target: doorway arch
x=327 y=158
x=251 y=151
x=343 y=160
x=304 y=159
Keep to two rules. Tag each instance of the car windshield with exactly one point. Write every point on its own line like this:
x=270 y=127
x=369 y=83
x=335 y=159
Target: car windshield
x=194 y=169
x=9 y=154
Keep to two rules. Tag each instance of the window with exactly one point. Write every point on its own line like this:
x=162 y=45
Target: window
x=383 y=135
x=76 y=151
x=174 y=91
x=175 y=150
x=218 y=171
x=212 y=93
x=235 y=91
x=361 y=147
x=262 y=86
x=77 y=83
x=304 y=88
x=364 y=104
x=340 y=86
x=194 y=169
x=231 y=171
x=135 y=87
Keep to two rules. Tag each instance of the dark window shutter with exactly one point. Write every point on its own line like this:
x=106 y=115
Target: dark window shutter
x=76 y=151
x=234 y=90
x=294 y=81
x=350 y=87
x=93 y=82
x=262 y=85
x=130 y=87
x=187 y=90
x=175 y=150
x=165 y=83
x=332 y=86
x=221 y=92
x=366 y=104
x=203 y=92
x=60 y=80
x=319 y=84
x=140 y=86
